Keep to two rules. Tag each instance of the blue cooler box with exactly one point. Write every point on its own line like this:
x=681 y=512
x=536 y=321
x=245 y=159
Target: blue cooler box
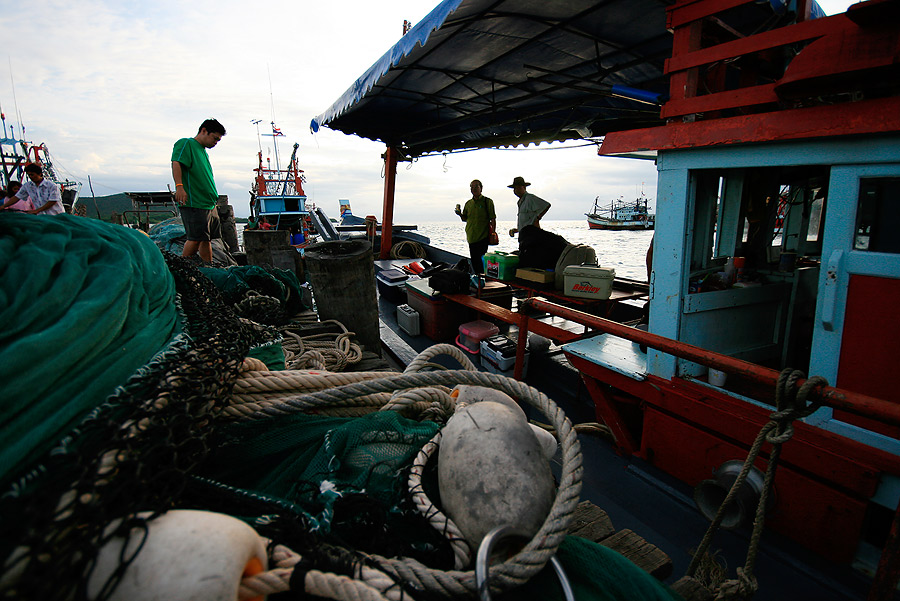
x=392 y=285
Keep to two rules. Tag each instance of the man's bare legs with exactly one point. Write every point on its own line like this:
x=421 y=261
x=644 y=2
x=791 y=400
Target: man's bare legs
x=203 y=248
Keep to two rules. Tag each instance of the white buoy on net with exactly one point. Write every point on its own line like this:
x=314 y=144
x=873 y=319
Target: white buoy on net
x=188 y=555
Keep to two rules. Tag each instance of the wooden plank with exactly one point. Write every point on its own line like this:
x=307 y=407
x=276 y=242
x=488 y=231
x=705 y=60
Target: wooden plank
x=691 y=589
x=764 y=94
x=876 y=116
x=687 y=12
x=591 y=522
x=755 y=43
x=646 y=556
x=554 y=333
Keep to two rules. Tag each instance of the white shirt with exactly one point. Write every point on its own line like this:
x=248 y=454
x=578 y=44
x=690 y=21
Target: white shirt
x=41 y=194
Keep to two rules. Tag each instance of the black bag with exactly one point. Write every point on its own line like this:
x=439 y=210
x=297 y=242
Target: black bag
x=450 y=281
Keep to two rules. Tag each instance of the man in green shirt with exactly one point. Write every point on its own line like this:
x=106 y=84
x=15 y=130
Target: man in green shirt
x=195 y=189
x=481 y=221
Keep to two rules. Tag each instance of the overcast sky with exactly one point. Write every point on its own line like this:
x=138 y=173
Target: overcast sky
x=109 y=85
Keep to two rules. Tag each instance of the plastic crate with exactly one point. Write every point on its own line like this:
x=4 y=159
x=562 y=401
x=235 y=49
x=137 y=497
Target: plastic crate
x=498 y=356
x=472 y=333
x=440 y=318
x=392 y=285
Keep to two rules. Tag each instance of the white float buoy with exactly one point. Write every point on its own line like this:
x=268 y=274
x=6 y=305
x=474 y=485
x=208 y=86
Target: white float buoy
x=188 y=556
x=492 y=471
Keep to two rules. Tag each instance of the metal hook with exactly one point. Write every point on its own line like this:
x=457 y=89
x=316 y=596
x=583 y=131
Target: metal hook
x=483 y=557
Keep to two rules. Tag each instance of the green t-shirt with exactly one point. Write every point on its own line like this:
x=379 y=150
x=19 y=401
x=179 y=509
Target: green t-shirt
x=478 y=213
x=196 y=173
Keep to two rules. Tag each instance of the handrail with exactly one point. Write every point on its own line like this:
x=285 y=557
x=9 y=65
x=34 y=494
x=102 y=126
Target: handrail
x=852 y=402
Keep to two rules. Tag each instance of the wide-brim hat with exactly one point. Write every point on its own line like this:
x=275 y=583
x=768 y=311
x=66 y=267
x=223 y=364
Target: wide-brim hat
x=518 y=181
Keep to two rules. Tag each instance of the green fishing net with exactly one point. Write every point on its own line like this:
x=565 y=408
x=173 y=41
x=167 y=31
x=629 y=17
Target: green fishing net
x=118 y=360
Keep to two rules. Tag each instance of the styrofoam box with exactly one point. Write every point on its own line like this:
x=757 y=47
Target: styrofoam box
x=498 y=356
x=408 y=319
x=588 y=281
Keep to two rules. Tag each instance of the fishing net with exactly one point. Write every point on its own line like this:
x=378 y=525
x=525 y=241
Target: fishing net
x=153 y=434
x=82 y=306
x=133 y=446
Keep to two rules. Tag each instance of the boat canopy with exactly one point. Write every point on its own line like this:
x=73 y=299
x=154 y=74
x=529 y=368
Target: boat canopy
x=494 y=73
x=489 y=73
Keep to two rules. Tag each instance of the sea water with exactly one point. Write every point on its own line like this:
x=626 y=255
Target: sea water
x=623 y=251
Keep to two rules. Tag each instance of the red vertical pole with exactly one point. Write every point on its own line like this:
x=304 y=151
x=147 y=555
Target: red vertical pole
x=387 y=215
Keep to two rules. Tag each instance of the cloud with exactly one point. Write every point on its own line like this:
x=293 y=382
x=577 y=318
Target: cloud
x=110 y=85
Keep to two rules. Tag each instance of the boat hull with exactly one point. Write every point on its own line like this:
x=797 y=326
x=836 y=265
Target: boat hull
x=600 y=223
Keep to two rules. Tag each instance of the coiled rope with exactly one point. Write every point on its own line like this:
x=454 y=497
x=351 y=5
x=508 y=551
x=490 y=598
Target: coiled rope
x=407 y=249
x=791 y=404
x=360 y=390
x=331 y=351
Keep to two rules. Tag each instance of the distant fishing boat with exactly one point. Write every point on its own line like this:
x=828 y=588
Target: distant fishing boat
x=16 y=153
x=277 y=193
x=347 y=216
x=621 y=215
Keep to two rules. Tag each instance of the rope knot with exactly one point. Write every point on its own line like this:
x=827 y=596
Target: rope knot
x=743 y=587
x=791 y=403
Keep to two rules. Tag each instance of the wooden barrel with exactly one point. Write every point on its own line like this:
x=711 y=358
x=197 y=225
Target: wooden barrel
x=342 y=276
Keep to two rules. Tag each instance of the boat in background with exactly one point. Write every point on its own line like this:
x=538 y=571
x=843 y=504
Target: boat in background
x=277 y=196
x=621 y=215
x=347 y=216
x=16 y=153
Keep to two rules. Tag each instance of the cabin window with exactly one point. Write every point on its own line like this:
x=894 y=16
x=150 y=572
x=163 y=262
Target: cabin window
x=757 y=214
x=878 y=215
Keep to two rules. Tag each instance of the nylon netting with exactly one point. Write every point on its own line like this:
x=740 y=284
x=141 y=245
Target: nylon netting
x=156 y=443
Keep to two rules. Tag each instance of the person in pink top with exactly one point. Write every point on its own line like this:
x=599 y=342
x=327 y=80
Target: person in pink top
x=12 y=202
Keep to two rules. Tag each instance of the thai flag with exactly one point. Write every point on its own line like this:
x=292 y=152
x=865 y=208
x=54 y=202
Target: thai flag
x=276 y=131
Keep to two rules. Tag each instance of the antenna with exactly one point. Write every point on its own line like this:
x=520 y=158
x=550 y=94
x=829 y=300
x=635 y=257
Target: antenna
x=271 y=95
x=256 y=122
x=15 y=101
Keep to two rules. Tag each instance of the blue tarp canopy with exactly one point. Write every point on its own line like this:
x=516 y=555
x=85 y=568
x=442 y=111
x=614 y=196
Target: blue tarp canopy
x=485 y=73
x=491 y=73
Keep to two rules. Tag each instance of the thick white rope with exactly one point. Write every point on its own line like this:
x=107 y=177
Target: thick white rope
x=462 y=555
x=503 y=576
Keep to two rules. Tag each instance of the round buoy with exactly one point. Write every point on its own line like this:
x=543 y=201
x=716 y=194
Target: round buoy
x=493 y=472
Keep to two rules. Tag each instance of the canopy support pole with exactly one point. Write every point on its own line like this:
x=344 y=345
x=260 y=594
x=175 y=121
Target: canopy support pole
x=387 y=216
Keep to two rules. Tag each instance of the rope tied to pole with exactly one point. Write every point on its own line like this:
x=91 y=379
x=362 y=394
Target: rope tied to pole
x=791 y=404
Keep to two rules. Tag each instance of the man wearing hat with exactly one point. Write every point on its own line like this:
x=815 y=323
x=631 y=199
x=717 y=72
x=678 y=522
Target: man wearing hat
x=538 y=248
x=531 y=207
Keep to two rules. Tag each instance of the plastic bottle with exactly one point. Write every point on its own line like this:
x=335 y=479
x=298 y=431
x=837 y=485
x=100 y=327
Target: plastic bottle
x=729 y=271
